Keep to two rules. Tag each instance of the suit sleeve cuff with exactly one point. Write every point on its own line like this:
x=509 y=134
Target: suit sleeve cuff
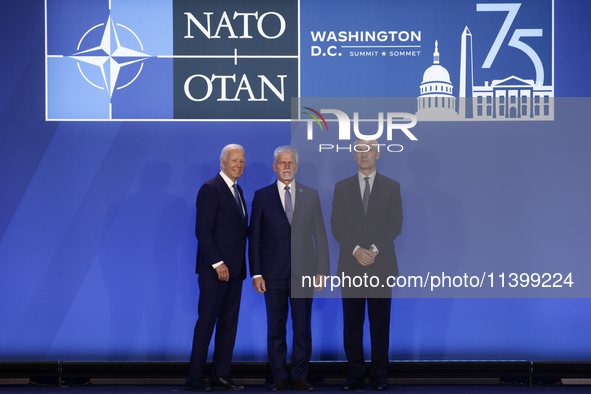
x=217 y=264
x=374 y=249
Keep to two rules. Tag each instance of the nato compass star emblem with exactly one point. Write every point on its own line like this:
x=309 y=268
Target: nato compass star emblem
x=110 y=56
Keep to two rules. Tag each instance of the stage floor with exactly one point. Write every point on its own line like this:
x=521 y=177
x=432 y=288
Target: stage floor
x=394 y=389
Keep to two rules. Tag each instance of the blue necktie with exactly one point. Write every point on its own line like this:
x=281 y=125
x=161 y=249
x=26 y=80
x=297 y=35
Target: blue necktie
x=238 y=201
x=288 y=207
x=366 y=195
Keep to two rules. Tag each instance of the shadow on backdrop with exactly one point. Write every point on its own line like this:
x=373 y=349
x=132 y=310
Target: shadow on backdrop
x=433 y=238
x=138 y=258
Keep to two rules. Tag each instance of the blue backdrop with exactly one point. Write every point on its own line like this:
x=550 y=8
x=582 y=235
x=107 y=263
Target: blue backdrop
x=97 y=248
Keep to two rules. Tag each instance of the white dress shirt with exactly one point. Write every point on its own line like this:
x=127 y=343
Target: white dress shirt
x=361 y=177
x=230 y=184
x=371 y=180
x=292 y=189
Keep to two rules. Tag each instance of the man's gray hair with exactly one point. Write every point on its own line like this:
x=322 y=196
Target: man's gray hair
x=368 y=143
x=285 y=149
x=358 y=142
x=227 y=149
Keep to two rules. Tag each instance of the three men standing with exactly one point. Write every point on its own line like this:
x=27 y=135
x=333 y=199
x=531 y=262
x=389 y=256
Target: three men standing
x=287 y=241
x=366 y=218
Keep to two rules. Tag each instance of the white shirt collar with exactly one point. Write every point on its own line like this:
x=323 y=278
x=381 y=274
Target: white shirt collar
x=292 y=188
x=228 y=181
x=281 y=186
x=372 y=176
x=361 y=178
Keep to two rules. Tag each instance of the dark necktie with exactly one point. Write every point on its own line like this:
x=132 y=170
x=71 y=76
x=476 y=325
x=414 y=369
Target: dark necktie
x=238 y=201
x=366 y=195
x=288 y=207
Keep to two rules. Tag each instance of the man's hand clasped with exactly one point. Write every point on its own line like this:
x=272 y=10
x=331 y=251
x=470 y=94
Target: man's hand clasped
x=365 y=257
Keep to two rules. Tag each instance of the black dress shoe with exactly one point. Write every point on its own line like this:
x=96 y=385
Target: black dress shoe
x=196 y=384
x=301 y=385
x=278 y=385
x=353 y=384
x=224 y=383
x=379 y=384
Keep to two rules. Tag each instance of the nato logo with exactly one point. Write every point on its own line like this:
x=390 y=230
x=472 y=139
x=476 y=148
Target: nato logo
x=165 y=60
x=107 y=60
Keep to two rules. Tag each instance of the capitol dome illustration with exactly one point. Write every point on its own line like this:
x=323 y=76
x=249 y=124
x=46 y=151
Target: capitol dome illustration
x=436 y=100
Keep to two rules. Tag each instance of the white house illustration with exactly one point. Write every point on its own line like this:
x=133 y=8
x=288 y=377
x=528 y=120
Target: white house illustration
x=512 y=98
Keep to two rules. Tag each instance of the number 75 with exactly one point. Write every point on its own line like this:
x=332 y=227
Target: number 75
x=514 y=41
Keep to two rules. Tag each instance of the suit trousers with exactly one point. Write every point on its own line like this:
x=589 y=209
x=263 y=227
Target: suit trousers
x=278 y=300
x=378 y=311
x=219 y=304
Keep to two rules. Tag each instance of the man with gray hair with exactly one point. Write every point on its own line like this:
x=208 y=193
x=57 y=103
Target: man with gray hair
x=221 y=228
x=288 y=241
x=366 y=218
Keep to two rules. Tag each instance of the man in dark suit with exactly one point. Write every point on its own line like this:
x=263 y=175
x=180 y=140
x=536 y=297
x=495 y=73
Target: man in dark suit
x=366 y=218
x=288 y=241
x=221 y=228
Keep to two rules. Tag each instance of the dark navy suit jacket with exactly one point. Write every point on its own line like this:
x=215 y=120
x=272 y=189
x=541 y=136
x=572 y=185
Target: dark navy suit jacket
x=220 y=230
x=275 y=246
x=381 y=225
